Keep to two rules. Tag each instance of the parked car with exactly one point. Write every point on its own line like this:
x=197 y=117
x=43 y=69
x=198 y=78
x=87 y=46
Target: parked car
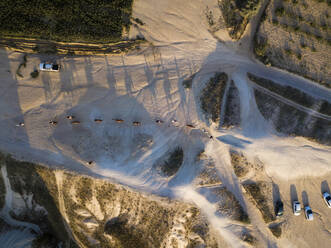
x=279 y=209
x=296 y=208
x=49 y=67
x=327 y=199
x=308 y=213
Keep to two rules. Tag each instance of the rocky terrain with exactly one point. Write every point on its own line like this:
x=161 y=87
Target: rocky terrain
x=184 y=141
x=80 y=211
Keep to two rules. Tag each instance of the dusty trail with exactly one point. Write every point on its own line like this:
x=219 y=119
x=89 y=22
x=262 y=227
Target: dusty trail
x=221 y=224
x=144 y=86
x=17 y=238
x=62 y=209
x=5 y=212
x=309 y=111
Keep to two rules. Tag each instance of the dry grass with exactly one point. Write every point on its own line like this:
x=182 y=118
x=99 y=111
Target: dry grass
x=237 y=15
x=84 y=20
x=144 y=221
x=293 y=94
x=174 y=161
x=240 y=164
x=294 y=37
x=249 y=238
x=232 y=108
x=28 y=178
x=256 y=191
x=276 y=230
x=212 y=96
x=291 y=121
x=228 y=205
x=187 y=83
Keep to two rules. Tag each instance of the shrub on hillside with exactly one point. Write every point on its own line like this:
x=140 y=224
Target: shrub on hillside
x=212 y=95
x=173 y=163
x=67 y=20
x=256 y=192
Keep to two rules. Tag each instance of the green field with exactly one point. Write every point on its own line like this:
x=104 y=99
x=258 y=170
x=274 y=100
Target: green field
x=65 y=20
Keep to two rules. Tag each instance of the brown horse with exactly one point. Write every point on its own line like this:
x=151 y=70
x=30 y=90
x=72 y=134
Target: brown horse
x=119 y=120
x=97 y=120
x=53 y=123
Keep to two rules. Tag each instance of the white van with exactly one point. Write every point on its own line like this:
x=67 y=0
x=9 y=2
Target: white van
x=49 y=67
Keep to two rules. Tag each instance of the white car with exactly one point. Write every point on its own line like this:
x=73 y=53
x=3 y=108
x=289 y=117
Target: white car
x=49 y=67
x=296 y=208
x=309 y=213
x=327 y=199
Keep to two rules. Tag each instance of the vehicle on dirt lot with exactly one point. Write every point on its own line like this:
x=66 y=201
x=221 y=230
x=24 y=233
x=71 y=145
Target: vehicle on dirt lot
x=327 y=199
x=296 y=208
x=49 y=67
x=308 y=213
x=279 y=209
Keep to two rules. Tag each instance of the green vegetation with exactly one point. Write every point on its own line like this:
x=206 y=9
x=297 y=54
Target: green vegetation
x=201 y=155
x=292 y=94
x=280 y=11
x=237 y=14
x=232 y=108
x=239 y=163
x=173 y=163
x=293 y=121
x=230 y=206
x=48 y=48
x=276 y=230
x=299 y=56
x=34 y=74
x=288 y=51
x=140 y=222
x=295 y=21
x=256 y=192
x=44 y=241
x=119 y=228
x=209 y=16
x=66 y=20
x=260 y=48
x=84 y=189
x=248 y=238
x=152 y=220
x=212 y=95
x=187 y=83
x=28 y=178
x=139 y=21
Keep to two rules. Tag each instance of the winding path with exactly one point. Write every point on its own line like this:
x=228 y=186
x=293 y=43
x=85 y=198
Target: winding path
x=5 y=212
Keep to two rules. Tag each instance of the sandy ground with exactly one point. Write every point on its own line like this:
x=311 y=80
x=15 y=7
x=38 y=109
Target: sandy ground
x=147 y=85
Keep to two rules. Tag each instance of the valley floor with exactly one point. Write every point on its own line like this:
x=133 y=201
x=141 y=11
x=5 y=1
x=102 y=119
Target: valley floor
x=147 y=85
